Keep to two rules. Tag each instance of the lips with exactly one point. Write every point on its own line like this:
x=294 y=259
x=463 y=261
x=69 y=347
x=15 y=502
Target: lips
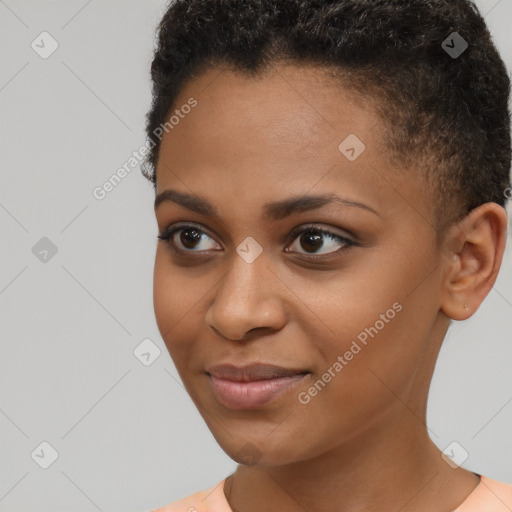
x=253 y=385
x=252 y=372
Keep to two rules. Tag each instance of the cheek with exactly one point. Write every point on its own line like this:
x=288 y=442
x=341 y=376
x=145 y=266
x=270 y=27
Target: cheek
x=380 y=356
x=164 y=296
x=174 y=297
x=351 y=311
x=369 y=337
x=179 y=301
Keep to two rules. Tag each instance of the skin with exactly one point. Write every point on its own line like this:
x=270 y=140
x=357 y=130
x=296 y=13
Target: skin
x=361 y=443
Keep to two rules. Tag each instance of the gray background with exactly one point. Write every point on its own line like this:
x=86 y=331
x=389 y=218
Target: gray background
x=127 y=435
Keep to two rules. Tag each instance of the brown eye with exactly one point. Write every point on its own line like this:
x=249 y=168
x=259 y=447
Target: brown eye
x=313 y=239
x=189 y=239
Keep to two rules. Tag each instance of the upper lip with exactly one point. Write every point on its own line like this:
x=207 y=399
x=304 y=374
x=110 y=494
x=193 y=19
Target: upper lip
x=251 y=372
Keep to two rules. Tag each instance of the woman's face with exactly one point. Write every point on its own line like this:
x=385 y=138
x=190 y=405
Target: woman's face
x=355 y=311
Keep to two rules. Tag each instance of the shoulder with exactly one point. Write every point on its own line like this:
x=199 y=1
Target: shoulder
x=489 y=496
x=208 y=500
x=501 y=491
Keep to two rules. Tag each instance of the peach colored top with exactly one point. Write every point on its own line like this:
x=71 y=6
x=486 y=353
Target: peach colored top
x=488 y=496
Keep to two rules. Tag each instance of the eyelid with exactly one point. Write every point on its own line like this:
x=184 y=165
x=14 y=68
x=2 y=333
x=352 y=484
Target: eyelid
x=295 y=231
x=317 y=226
x=183 y=225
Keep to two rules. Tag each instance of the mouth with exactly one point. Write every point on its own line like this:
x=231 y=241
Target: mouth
x=252 y=386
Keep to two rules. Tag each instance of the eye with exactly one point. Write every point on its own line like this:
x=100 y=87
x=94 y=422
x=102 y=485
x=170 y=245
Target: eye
x=314 y=238
x=311 y=240
x=189 y=239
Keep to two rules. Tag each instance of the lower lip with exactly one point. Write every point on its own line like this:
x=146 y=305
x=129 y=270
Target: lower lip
x=248 y=395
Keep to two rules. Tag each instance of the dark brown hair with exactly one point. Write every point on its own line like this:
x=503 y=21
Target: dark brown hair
x=444 y=115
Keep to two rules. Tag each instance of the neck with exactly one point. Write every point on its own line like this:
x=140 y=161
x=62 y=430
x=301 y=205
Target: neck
x=381 y=469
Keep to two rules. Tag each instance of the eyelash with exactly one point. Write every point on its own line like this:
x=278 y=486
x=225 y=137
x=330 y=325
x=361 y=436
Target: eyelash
x=168 y=237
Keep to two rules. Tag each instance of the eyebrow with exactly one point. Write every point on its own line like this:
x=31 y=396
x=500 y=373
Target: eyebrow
x=274 y=210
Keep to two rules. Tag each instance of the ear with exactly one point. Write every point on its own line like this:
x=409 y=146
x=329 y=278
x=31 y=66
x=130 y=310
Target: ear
x=474 y=249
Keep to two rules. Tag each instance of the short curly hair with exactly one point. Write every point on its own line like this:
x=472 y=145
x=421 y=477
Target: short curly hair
x=446 y=116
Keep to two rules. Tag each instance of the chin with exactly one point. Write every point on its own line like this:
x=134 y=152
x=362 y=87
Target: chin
x=258 y=451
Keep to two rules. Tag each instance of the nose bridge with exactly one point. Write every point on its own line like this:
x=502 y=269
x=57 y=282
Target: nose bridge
x=245 y=298
x=248 y=274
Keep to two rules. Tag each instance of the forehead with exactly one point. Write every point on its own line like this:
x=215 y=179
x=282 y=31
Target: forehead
x=289 y=131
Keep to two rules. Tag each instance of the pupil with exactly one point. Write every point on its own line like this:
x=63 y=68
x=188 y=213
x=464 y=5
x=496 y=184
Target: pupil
x=189 y=236
x=315 y=239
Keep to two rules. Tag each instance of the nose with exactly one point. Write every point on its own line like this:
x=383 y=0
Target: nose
x=248 y=301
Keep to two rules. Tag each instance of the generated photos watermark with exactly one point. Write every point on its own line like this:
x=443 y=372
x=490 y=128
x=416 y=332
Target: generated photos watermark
x=100 y=192
x=305 y=397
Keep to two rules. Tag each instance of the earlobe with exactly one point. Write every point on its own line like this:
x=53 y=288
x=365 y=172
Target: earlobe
x=474 y=251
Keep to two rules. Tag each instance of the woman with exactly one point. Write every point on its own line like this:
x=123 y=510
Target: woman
x=330 y=183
